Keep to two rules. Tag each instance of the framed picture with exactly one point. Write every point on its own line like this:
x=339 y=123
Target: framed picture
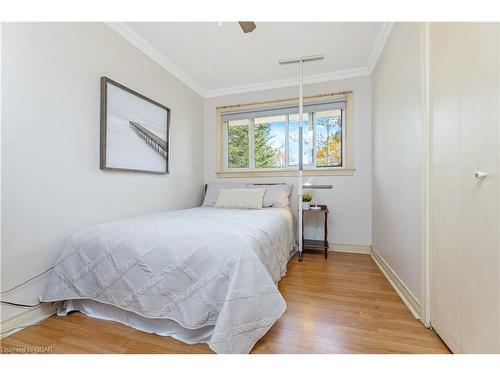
x=134 y=130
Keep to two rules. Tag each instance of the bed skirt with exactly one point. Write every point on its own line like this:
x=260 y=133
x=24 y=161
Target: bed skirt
x=161 y=327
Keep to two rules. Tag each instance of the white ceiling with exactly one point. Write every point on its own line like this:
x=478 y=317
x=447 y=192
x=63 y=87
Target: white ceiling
x=216 y=60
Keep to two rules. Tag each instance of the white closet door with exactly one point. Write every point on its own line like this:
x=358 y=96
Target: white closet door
x=445 y=183
x=465 y=261
x=480 y=197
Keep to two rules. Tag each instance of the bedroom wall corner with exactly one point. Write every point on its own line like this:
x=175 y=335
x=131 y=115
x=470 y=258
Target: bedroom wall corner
x=51 y=184
x=398 y=156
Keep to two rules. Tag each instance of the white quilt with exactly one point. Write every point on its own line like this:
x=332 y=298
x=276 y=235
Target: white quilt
x=199 y=267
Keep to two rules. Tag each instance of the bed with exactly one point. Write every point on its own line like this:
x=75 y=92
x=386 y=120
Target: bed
x=201 y=275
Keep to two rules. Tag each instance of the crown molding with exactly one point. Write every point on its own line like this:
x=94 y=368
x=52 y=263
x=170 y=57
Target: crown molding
x=379 y=45
x=288 y=82
x=138 y=41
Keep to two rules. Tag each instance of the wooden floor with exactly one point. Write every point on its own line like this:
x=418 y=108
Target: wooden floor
x=340 y=305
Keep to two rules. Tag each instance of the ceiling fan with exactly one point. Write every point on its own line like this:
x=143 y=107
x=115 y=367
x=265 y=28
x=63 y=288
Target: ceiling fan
x=247 y=26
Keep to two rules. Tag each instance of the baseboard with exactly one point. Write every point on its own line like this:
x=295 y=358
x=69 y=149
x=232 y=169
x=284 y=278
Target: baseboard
x=26 y=318
x=350 y=248
x=399 y=286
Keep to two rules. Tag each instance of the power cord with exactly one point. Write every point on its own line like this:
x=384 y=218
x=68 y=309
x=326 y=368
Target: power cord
x=22 y=305
x=26 y=282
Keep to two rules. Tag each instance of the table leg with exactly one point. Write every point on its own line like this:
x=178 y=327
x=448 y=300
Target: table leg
x=326 y=236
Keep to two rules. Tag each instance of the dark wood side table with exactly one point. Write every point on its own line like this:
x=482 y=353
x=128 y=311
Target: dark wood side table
x=317 y=244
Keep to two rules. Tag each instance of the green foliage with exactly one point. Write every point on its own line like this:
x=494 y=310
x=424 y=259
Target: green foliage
x=307 y=197
x=237 y=147
x=265 y=154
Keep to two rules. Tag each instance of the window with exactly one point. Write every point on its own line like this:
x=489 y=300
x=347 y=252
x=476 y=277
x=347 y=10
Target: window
x=293 y=140
x=269 y=140
x=328 y=138
x=237 y=144
x=263 y=139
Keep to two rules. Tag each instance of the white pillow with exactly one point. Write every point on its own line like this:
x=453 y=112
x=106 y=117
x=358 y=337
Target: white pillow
x=276 y=195
x=240 y=198
x=214 y=188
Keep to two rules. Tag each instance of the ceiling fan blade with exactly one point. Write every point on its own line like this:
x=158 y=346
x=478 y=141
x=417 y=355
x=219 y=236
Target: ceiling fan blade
x=247 y=26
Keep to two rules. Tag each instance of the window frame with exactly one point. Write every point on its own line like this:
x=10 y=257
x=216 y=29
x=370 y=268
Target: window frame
x=346 y=169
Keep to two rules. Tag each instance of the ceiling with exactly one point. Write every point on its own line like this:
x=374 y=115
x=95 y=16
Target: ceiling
x=218 y=59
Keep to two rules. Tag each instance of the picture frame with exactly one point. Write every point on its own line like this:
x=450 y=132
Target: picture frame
x=134 y=131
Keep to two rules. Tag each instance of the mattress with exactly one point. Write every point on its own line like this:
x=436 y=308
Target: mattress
x=201 y=275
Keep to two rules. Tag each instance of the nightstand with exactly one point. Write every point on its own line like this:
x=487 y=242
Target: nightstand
x=317 y=244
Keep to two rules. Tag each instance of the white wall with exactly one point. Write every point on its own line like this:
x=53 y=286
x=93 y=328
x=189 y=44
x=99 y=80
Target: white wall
x=398 y=154
x=350 y=199
x=51 y=182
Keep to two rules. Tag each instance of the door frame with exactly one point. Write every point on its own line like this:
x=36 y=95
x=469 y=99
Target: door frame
x=425 y=124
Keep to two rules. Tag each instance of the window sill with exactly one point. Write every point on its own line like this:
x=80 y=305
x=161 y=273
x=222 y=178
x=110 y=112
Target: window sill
x=288 y=173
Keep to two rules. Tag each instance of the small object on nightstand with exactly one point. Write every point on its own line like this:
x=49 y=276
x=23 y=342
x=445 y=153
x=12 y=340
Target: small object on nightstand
x=317 y=244
x=306 y=201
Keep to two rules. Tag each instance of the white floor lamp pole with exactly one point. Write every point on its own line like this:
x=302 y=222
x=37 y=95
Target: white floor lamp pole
x=301 y=165
x=300 y=186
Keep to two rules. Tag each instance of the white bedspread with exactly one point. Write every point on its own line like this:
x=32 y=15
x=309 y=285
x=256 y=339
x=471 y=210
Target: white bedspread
x=199 y=267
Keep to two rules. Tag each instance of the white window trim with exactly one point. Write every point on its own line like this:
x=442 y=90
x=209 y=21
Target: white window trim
x=347 y=168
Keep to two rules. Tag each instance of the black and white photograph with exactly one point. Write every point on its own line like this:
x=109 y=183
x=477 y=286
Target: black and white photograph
x=134 y=130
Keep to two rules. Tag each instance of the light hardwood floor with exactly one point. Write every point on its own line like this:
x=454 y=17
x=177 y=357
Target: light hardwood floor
x=342 y=304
